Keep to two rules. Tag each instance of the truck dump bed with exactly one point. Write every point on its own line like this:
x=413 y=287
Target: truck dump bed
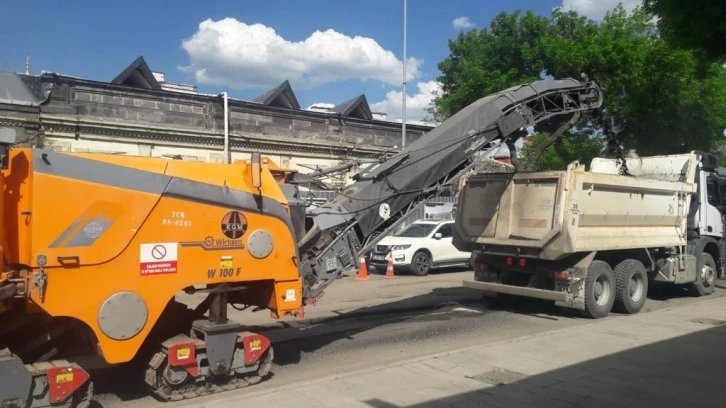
x=550 y=215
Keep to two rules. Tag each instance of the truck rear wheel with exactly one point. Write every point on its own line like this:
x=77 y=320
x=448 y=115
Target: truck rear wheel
x=599 y=290
x=705 y=276
x=631 y=286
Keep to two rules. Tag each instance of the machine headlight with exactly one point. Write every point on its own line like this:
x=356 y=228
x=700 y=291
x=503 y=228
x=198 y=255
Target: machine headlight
x=400 y=247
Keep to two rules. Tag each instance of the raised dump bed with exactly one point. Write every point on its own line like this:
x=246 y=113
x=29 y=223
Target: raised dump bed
x=541 y=234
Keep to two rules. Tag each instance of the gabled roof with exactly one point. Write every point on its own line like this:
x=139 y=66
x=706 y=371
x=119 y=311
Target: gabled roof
x=356 y=107
x=15 y=91
x=281 y=96
x=137 y=75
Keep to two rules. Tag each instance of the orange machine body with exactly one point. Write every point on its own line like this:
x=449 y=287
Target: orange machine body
x=93 y=226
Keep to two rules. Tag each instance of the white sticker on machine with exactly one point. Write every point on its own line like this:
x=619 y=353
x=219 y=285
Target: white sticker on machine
x=158 y=259
x=290 y=295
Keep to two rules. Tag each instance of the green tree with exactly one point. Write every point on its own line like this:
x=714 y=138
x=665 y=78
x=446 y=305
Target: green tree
x=486 y=61
x=694 y=24
x=576 y=146
x=659 y=99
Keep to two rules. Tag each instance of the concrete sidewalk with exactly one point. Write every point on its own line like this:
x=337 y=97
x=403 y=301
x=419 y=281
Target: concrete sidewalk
x=668 y=358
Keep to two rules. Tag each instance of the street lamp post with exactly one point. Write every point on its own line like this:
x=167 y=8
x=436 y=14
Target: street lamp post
x=403 y=120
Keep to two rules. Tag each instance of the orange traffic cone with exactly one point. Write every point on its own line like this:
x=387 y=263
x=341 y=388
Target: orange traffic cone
x=362 y=270
x=389 y=269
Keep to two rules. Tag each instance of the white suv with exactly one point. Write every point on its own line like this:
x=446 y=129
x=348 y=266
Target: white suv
x=418 y=248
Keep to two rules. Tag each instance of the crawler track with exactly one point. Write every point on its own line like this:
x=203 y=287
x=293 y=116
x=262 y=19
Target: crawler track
x=189 y=389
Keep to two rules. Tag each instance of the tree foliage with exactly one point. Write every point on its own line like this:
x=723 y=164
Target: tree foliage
x=658 y=98
x=694 y=24
x=576 y=146
x=486 y=61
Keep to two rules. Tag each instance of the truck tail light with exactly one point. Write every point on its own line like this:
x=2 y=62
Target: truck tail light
x=560 y=275
x=481 y=267
x=509 y=261
x=522 y=262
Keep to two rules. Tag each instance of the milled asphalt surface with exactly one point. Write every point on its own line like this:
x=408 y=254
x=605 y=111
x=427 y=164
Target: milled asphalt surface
x=322 y=348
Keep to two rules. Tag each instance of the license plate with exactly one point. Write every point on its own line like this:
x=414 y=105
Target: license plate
x=378 y=257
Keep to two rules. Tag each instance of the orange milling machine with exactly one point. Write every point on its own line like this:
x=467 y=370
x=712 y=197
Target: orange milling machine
x=95 y=248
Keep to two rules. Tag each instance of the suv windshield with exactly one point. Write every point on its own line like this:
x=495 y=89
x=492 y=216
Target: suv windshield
x=416 y=231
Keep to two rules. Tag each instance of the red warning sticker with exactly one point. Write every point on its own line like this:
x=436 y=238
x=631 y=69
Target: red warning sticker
x=158 y=259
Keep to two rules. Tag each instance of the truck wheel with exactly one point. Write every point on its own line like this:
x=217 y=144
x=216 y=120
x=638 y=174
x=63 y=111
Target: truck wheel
x=599 y=290
x=631 y=286
x=705 y=276
x=420 y=264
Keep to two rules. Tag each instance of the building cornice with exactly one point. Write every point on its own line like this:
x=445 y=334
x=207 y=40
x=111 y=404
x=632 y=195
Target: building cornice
x=201 y=99
x=67 y=126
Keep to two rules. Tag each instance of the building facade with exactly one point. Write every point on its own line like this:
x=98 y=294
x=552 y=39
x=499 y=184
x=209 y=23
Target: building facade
x=137 y=113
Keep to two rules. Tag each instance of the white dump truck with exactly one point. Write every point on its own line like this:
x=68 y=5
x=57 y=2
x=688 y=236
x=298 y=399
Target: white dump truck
x=596 y=240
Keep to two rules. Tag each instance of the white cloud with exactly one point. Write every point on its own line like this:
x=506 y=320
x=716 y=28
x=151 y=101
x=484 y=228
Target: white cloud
x=416 y=104
x=462 y=23
x=321 y=105
x=596 y=9
x=232 y=53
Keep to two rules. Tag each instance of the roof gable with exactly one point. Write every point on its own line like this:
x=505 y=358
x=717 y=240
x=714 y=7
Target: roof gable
x=280 y=96
x=356 y=108
x=15 y=91
x=137 y=75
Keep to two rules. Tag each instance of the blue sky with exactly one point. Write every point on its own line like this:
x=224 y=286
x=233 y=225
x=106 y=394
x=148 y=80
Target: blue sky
x=246 y=47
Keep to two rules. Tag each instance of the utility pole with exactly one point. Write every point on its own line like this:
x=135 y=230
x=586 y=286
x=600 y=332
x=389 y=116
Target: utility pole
x=403 y=121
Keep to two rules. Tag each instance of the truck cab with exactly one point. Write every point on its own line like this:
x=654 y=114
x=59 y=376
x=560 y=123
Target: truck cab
x=707 y=205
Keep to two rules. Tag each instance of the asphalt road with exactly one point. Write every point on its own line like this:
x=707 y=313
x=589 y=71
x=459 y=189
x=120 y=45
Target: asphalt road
x=323 y=349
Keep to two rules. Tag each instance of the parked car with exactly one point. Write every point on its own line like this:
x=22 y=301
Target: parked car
x=418 y=248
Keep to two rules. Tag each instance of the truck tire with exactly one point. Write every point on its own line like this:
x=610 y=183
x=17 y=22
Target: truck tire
x=599 y=290
x=705 y=276
x=420 y=264
x=631 y=286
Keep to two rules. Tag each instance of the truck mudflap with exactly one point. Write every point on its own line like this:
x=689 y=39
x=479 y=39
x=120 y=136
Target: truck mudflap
x=519 y=291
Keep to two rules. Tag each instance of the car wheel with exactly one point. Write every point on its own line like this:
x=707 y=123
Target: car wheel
x=421 y=264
